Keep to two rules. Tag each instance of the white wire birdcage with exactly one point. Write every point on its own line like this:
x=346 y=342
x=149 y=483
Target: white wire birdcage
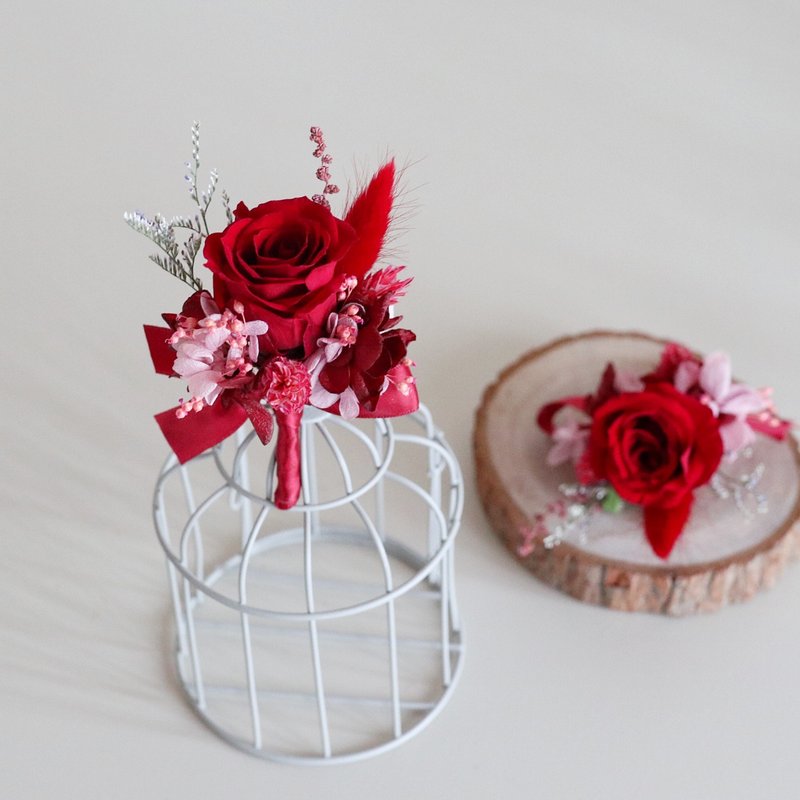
x=329 y=632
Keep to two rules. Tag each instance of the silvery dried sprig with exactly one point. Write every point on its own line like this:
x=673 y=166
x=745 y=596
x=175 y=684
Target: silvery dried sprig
x=743 y=489
x=179 y=252
x=569 y=514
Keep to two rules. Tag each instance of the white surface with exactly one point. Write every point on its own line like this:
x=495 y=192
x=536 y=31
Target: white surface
x=575 y=164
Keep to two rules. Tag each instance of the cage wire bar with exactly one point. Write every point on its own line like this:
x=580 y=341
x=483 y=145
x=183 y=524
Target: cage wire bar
x=371 y=655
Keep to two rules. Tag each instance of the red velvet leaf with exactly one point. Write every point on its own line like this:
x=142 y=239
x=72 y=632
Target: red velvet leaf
x=663 y=526
x=369 y=216
x=259 y=417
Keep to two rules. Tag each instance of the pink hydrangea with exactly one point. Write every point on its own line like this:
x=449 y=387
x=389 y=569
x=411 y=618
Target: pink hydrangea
x=214 y=353
x=733 y=402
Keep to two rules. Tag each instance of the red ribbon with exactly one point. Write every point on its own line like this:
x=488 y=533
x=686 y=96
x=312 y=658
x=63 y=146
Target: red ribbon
x=773 y=426
x=201 y=430
x=160 y=351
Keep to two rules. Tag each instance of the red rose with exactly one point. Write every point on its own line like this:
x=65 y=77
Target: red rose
x=655 y=447
x=281 y=260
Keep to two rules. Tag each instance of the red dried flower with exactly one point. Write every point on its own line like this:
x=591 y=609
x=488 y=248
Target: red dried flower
x=378 y=348
x=288 y=384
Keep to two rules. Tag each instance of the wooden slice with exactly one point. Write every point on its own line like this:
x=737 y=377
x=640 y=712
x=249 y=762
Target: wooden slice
x=724 y=554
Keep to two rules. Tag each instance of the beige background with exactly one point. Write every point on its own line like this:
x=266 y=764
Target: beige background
x=571 y=165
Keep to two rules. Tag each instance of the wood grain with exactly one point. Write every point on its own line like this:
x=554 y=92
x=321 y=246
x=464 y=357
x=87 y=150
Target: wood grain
x=513 y=481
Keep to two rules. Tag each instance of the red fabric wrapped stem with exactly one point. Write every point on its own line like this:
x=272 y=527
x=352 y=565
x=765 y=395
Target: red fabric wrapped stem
x=288 y=456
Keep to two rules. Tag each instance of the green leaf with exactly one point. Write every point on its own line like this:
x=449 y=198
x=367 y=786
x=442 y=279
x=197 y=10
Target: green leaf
x=612 y=502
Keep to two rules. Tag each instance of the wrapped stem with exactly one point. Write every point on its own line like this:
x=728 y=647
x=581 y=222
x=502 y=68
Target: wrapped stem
x=287 y=456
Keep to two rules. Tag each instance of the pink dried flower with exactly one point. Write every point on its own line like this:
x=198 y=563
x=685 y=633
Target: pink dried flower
x=404 y=386
x=527 y=545
x=213 y=353
x=530 y=535
x=732 y=402
x=342 y=332
x=288 y=384
x=348 y=284
x=724 y=396
x=627 y=381
x=569 y=444
x=323 y=173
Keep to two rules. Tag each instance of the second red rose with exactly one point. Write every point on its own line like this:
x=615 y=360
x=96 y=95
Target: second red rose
x=655 y=447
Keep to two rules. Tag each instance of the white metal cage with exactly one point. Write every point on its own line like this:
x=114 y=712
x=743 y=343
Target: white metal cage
x=329 y=632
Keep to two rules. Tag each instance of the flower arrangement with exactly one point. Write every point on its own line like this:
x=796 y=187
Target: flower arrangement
x=650 y=440
x=298 y=315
